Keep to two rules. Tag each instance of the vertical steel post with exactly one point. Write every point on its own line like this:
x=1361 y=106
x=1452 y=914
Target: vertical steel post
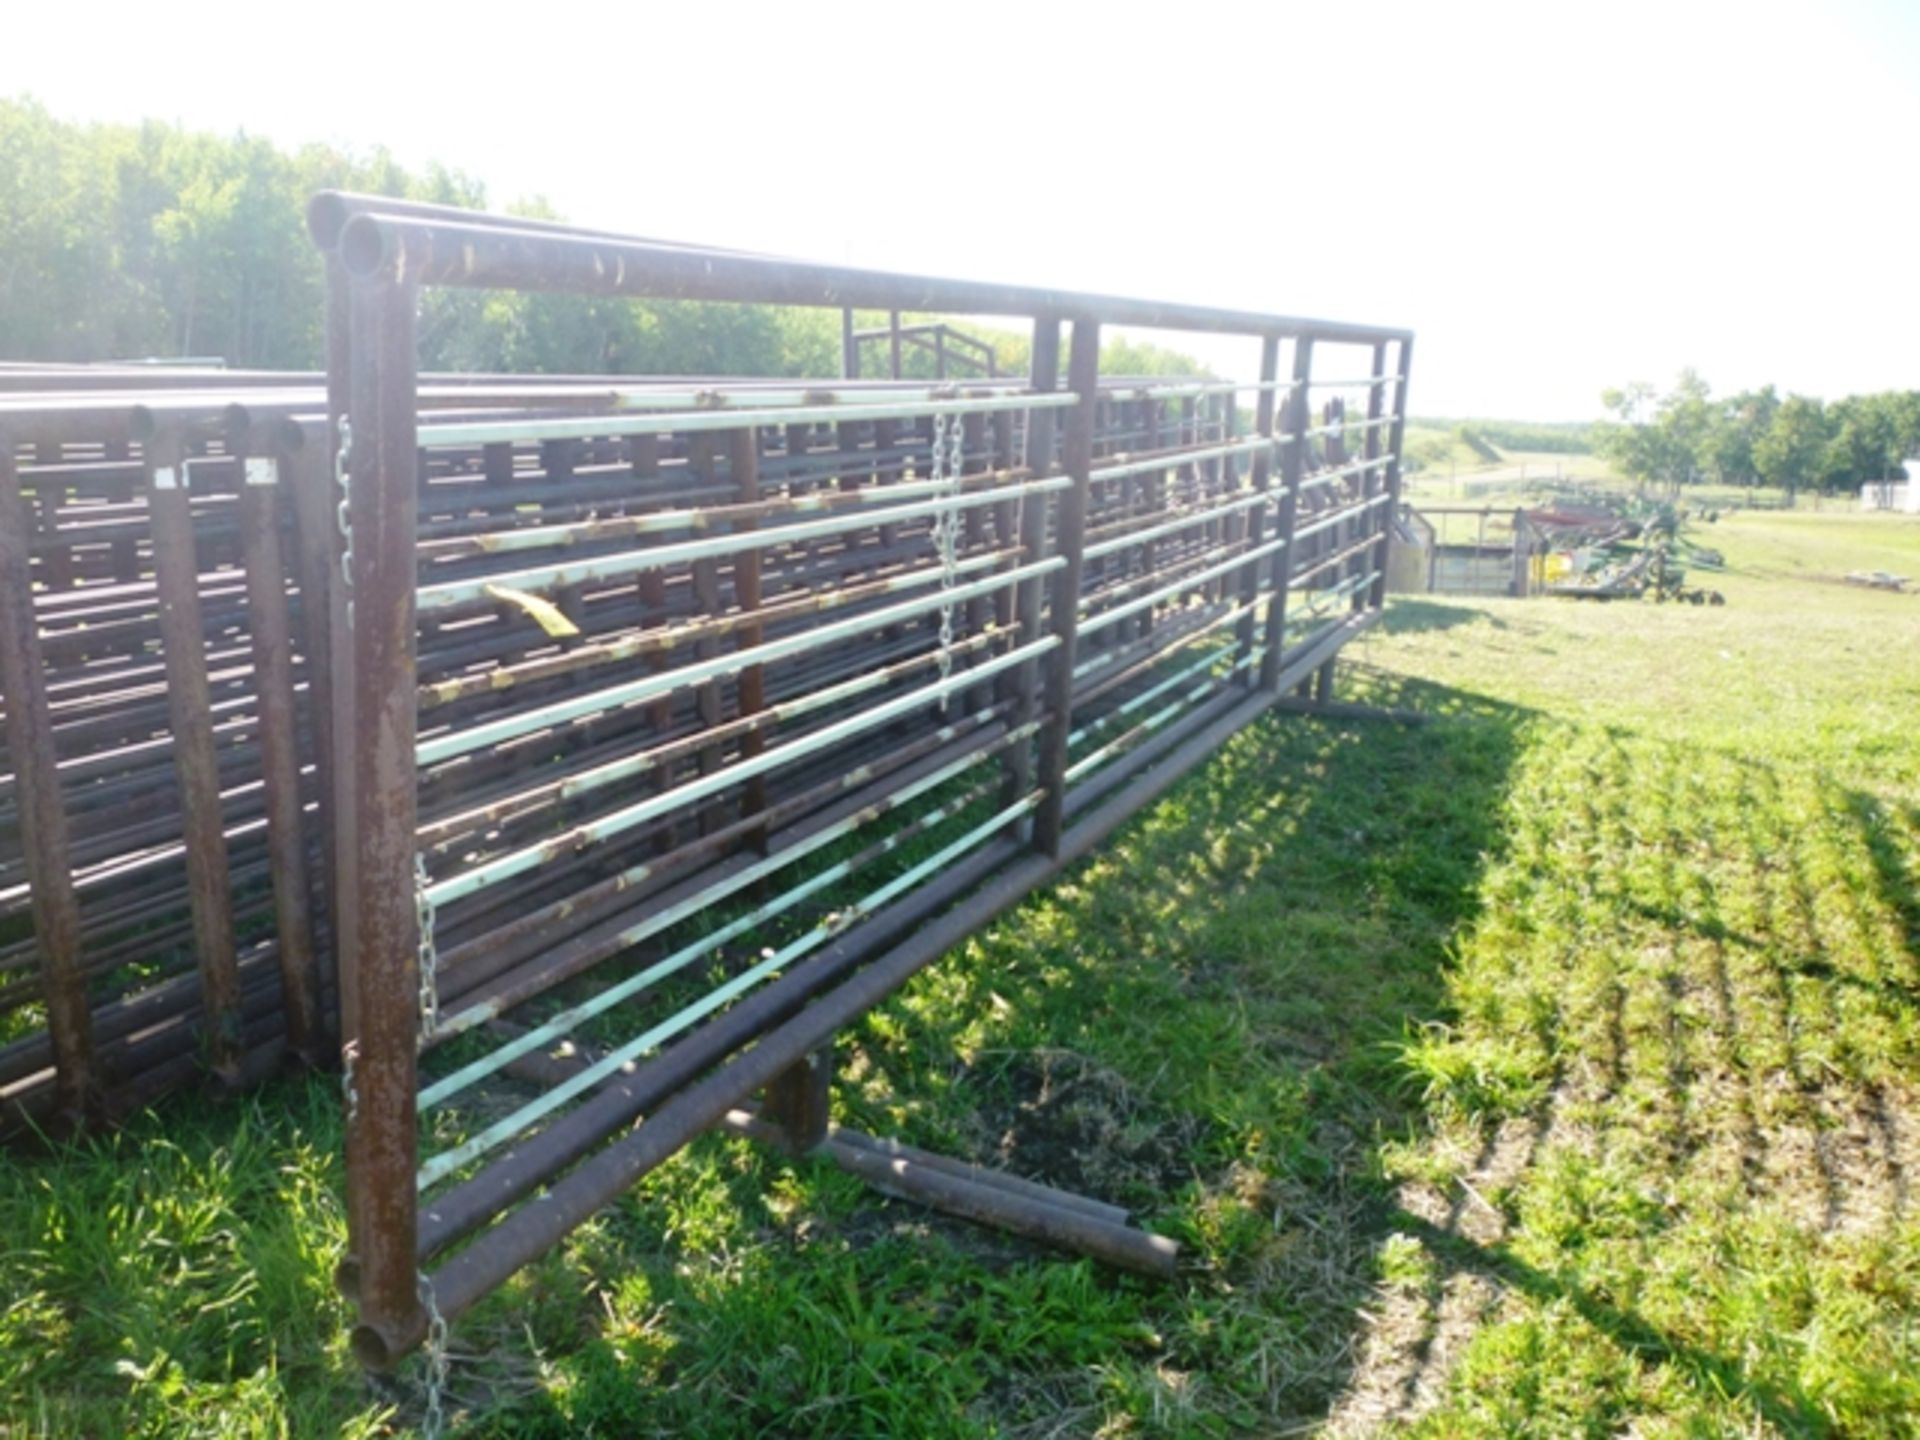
x=126 y=553
x=1234 y=527
x=56 y=569
x=1396 y=443
x=849 y=346
x=1043 y=377
x=41 y=813
x=893 y=340
x=1154 y=488
x=643 y=453
x=1293 y=468
x=378 y=920
x=557 y=459
x=338 y=657
x=1263 y=408
x=975 y=458
x=270 y=633
x=708 y=701
x=176 y=577
x=1379 y=519
x=885 y=437
x=308 y=471
x=1323 y=691
x=1005 y=524
x=1083 y=378
x=799 y=1102
x=1335 y=540
x=750 y=688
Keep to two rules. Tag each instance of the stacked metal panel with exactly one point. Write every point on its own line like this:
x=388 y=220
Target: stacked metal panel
x=155 y=896
x=417 y=724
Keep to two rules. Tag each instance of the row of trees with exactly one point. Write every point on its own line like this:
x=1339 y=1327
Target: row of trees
x=1559 y=437
x=123 y=242
x=1755 y=437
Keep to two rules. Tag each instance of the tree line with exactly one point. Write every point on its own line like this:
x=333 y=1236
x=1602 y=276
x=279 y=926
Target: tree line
x=1559 y=437
x=1756 y=437
x=125 y=242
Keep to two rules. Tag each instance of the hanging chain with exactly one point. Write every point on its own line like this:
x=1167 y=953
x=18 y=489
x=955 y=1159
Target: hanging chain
x=429 y=955
x=343 y=515
x=434 y=1424
x=949 y=456
x=349 y=1053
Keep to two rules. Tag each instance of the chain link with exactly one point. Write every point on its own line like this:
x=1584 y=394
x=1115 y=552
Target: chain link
x=429 y=955
x=343 y=515
x=949 y=457
x=434 y=1423
x=349 y=1053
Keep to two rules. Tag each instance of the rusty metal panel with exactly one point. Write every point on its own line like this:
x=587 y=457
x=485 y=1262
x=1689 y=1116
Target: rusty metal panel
x=1115 y=628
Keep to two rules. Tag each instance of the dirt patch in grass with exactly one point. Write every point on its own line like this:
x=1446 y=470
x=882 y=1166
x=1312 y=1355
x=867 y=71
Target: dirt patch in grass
x=1057 y=1117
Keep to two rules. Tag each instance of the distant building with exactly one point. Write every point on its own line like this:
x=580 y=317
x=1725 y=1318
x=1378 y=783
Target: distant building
x=1899 y=495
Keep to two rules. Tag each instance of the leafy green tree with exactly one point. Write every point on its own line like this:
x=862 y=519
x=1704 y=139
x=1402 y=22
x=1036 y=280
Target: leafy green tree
x=1686 y=417
x=1755 y=435
x=1650 y=439
x=1788 y=454
x=1737 y=424
x=1123 y=355
x=127 y=241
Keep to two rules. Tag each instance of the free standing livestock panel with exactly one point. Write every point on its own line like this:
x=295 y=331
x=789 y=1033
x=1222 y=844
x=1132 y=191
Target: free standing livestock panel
x=841 y=673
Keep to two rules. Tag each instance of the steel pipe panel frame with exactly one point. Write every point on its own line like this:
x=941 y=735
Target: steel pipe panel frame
x=384 y=259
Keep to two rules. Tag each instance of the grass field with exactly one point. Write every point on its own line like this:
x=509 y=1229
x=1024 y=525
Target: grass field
x=1552 y=1068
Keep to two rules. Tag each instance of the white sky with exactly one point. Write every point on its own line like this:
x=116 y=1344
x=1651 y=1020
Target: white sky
x=1555 y=197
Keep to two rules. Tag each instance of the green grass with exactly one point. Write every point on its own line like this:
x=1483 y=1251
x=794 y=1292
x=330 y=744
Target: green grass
x=1552 y=1068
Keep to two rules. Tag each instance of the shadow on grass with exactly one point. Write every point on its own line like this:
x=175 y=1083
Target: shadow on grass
x=1408 y=616
x=1722 y=1077
x=1789 y=1411
x=1893 y=884
x=1200 y=1022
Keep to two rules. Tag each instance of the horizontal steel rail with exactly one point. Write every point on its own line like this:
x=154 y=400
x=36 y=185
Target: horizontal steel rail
x=666 y=917
x=532 y=857
x=492 y=253
x=452 y=593
x=494 y=432
x=844 y=919
x=1149 y=464
x=461 y=742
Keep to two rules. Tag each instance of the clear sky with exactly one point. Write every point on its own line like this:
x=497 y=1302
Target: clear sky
x=1556 y=196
